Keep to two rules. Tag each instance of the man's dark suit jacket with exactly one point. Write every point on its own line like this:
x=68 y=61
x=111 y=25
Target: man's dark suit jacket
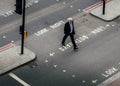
x=67 y=29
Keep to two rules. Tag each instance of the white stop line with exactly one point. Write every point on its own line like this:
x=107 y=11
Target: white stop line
x=18 y=79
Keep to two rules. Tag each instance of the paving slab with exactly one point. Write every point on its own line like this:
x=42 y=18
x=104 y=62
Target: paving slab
x=115 y=83
x=11 y=58
x=112 y=11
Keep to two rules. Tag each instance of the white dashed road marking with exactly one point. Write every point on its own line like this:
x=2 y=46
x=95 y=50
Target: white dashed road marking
x=83 y=81
x=46 y=61
x=94 y=81
x=55 y=66
x=52 y=54
x=71 y=6
x=113 y=25
x=64 y=71
x=12 y=41
x=36 y=1
x=73 y=76
x=4 y=37
x=57 y=0
x=79 y=9
x=107 y=25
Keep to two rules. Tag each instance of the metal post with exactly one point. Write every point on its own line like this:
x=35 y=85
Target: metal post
x=103 y=7
x=23 y=28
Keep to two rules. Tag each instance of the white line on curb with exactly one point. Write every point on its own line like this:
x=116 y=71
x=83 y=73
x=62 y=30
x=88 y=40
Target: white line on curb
x=18 y=79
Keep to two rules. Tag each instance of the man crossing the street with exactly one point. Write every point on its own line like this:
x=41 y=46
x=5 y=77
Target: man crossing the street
x=69 y=31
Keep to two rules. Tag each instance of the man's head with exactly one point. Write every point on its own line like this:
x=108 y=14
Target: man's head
x=70 y=19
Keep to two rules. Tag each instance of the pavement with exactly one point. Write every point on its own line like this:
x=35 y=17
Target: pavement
x=10 y=57
x=115 y=83
x=112 y=11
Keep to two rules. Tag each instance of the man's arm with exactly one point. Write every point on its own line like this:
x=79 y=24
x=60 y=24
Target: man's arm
x=65 y=28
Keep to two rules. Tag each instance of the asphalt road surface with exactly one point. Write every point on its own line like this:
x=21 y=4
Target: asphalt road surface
x=96 y=60
x=46 y=15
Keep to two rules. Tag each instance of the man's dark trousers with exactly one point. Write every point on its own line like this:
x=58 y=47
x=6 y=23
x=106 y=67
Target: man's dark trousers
x=72 y=39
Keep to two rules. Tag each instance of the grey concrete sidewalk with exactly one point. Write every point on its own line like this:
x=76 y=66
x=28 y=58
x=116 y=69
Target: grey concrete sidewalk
x=10 y=57
x=115 y=83
x=112 y=11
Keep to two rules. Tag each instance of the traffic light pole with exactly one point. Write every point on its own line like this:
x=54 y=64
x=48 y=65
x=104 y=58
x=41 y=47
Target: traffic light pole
x=23 y=27
x=103 y=7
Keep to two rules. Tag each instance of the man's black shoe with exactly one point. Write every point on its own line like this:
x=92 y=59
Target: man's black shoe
x=63 y=44
x=76 y=48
